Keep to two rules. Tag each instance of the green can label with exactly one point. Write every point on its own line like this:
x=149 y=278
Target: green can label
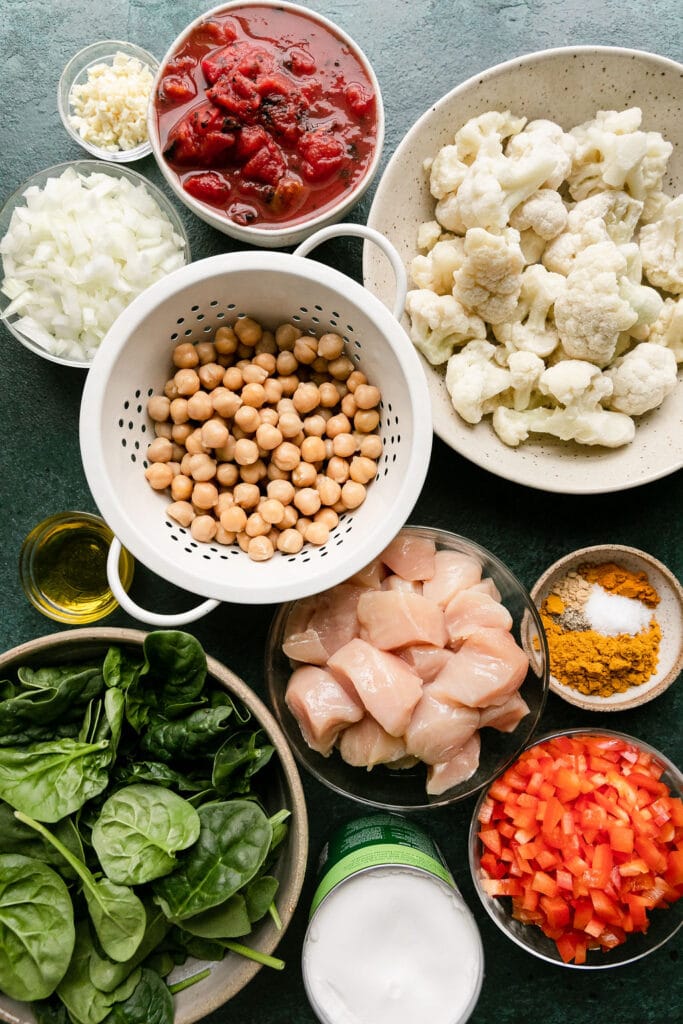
x=376 y=840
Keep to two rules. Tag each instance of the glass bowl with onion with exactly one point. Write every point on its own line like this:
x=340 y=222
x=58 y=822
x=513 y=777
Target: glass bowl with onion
x=105 y=232
x=606 y=890
x=404 y=784
x=102 y=99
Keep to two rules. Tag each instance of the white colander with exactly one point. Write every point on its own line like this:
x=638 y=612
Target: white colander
x=133 y=362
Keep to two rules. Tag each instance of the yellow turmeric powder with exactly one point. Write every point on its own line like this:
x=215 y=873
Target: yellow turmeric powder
x=621 y=581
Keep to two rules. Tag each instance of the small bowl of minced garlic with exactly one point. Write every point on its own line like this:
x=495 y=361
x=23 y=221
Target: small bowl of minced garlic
x=613 y=619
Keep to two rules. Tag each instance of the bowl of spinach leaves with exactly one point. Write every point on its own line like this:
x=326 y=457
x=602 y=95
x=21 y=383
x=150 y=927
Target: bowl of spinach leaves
x=154 y=830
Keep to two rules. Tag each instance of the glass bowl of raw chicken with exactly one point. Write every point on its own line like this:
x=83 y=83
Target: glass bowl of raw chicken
x=415 y=682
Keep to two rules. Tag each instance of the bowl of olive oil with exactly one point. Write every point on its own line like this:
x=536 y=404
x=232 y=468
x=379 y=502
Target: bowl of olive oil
x=63 y=568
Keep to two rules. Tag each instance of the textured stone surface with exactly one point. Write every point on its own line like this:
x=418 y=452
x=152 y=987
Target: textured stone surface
x=420 y=51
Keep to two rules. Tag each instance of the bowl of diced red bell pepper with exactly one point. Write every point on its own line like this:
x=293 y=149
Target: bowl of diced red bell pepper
x=576 y=849
x=266 y=120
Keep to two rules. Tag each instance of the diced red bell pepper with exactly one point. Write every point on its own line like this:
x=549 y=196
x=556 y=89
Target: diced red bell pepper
x=208 y=187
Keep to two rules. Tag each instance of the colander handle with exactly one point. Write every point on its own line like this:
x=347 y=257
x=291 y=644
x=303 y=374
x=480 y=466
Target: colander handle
x=151 y=618
x=362 y=231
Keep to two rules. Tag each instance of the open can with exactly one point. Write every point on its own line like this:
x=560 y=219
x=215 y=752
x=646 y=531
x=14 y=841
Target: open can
x=390 y=938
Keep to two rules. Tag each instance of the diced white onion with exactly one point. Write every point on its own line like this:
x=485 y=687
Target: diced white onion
x=77 y=253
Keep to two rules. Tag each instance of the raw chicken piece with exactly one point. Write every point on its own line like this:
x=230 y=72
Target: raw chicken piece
x=366 y=744
x=459 y=768
x=487 y=586
x=426 y=660
x=437 y=729
x=410 y=557
x=321 y=706
x=387 y=687
x=507 y=717
x=469 y=611
x=391 y=619
x=394 y=582
x=487 y=669
x=305 y=647
x=370 y=576
x=453 y=571
x=335 y=619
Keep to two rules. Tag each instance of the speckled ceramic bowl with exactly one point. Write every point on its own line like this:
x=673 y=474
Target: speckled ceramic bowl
x=668 y=613
x=568 y=86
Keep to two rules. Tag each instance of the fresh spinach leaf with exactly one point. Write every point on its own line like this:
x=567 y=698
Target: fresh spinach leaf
x=149 y=1003
x=119 y=670
x=139 y=831
x=233 y=842
x=48 y=695
x=238 y=759
x=85 y=1003
x=36 y=928
x=174 y=672
x=162 y=775
x=107 y=974
x=259 y=895
x=49 y=780
x=19 y=838
x=199 y=734
x=228 y=920
x=50 y=1011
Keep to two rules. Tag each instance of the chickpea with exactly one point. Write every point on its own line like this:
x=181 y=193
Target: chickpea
x=286 y=456
x=354 y=379
x=338 y=424
x=180 y=432
x=285 y=336
x=272 y=390
x=285 y=405
x=329 y=448
x=344 y=445
x=338 y=469
x=232 y=379
x=225 y=501
x=186 y=464
x=202 y=467
x=253 y=395
x=225 y=341
x=199 y=406
x=187 y=382
x=286 y=363
x=194 y=443
x=328 y=489
x=246 y=452
x=159 y=475
x=327 y=516
x=306 y=397
x=163 y=430
x=370 y=446
x=171 y=389
x=178 y=453
x=181 y=487
x=301 y=524
x=352 y=494
x=256 y=525
x=329 y=396
x=340 y=368
x=243 y=540
x=266 y=346
x=348 y=405
x=366 y=420
x=247 y=419
x=158 y=408
x=265 y=361
x=246 y=495
x=331 y=346
x=226 y=452
x=215 y=433
x=313 y=449
x=317 y=533
x=272 y=511
x=289 y=424
x=275 y=473
x=268 y=437
x=304 y=475
x=260 y=549
x=362 y=470
x=248 y=331
x=224 y=536
x=225 y=402
x=289 y=518
x=227 y=474
x=203 y=528
x=307 y=500
x=160 y=450
x=211 y=375
x=314 y=426
x=234 y=519
x=254 y=473
x=367 y=396
x=178 y=410
x=319 y=365
x=206 y=351
x=182 y=512
x=289 y=384
x=306 y=349
x=185 y=356
x=254 y=374
x=204 y=495
x=269 y=415
x=225 y=360
x=290 y=542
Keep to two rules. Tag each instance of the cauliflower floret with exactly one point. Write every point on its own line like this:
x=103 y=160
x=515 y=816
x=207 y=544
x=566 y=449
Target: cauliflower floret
x=642 y=379
x=591 y=312
x=667 y=329
x=549 y=136
x=543 y=211
x=494 y=124
x=436 y=269
x=533 y=330
x=490 y=279
x=661 y=246
x=447 y=172
x=438 y=323
x=532 y=246
x=578 y=387
x=474 y=380
x=525 y=372
x=428 y=234
x=612 y=152
x=606 y=215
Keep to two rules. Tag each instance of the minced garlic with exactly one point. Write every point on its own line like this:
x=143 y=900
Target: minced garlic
x=109 y=110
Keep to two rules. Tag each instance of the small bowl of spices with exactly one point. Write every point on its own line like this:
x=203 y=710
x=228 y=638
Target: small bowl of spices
x=613 y=619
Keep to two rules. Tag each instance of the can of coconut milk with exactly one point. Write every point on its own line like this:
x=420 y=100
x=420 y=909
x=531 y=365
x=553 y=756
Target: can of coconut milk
x=390 y=938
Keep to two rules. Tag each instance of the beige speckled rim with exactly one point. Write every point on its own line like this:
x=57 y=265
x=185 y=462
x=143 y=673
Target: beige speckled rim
x=231 y=974
x=669 y=614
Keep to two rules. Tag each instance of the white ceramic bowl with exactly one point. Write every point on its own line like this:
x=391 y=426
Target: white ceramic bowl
x=84 y=167
x=668 y=614
x=282 y=233
x=76 y=73
x=566 y=85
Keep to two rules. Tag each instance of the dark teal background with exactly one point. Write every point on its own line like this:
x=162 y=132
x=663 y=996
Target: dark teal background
x=420 y=51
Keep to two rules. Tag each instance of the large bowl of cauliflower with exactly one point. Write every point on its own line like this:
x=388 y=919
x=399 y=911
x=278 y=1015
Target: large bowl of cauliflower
x=537 y=208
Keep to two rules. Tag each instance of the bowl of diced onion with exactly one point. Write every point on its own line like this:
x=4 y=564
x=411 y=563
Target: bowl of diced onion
x=78 y=242
x=102 y=99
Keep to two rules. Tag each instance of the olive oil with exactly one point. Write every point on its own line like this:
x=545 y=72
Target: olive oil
x=63 y=568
